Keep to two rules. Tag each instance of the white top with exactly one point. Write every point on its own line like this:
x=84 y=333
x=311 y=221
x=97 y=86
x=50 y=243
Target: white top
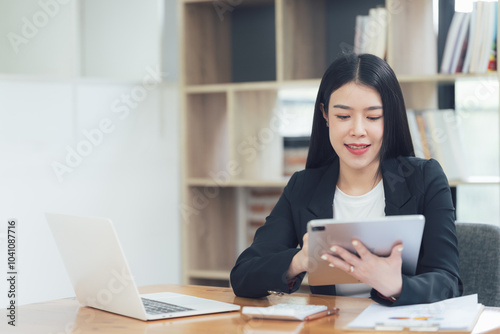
x=369 y=205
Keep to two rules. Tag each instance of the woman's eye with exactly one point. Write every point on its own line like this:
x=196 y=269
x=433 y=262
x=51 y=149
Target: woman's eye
x=374 y=118
x=342 y=117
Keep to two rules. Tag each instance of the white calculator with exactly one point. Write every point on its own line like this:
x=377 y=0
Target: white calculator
x=299 y=312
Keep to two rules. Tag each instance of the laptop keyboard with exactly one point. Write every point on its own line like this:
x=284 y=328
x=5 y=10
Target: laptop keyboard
x=157 y=307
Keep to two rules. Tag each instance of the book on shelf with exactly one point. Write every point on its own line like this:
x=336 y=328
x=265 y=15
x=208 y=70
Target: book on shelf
x=418 y=141
x=471 y=40
x=478 y=37
x=371 y=32
x=489 y=10
x=359 y=35
x=492 y=62
x=295 y=154
x=456 y=42
x=436 y=134
x=422 y=132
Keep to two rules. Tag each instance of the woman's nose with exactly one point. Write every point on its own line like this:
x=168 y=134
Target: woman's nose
x=358 y=127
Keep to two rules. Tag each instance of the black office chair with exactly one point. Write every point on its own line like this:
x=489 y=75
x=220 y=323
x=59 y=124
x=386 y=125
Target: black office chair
x=479 y=248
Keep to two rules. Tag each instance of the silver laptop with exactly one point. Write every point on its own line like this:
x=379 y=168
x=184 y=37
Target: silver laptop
x=379 y=235
x=101 y=277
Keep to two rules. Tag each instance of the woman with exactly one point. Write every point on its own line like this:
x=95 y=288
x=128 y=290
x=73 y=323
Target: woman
x=360 y=164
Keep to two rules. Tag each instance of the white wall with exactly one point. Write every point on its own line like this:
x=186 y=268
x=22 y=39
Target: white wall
x=130 y=177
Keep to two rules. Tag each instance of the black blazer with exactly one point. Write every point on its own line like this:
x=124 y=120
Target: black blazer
x=411 y=186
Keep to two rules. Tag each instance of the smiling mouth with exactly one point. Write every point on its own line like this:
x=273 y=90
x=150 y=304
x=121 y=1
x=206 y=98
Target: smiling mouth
x=357 y=147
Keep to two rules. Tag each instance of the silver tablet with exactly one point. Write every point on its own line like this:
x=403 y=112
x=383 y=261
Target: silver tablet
x=379 y=235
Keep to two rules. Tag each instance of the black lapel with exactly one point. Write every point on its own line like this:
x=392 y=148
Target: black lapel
x=398 y=198
x=321 y=204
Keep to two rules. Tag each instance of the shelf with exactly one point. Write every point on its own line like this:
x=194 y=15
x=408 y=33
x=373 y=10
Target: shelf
x=314 y=33
x=476 y=180
x=235 y=87
x=197 y=1
x=209 y=216
x=206 y=116
x=223 y=275
x=227 y=87
x=230 y=4
x=210 y=274
x=263 y=85
x=201 y=182
x=224 y=46
x=251 y=86
x=256 y=144
x=443 y=78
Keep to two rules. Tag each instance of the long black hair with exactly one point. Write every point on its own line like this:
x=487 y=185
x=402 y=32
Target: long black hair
x=374 y=72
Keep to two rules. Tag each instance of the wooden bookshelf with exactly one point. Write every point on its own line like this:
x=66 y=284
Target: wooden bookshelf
x=250 y=183
x=225 y=107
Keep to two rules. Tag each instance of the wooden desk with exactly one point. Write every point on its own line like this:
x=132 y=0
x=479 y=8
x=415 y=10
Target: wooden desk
x=67 y=316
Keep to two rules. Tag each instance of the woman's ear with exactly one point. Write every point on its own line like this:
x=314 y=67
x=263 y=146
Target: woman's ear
x=325 y=115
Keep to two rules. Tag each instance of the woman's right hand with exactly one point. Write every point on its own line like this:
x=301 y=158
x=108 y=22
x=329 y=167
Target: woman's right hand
x=300 y=262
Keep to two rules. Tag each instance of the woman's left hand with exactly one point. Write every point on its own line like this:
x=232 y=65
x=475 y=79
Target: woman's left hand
x=381 y=273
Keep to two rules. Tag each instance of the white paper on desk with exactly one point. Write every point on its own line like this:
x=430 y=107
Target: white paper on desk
x=454 y=313
x=488 y=320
